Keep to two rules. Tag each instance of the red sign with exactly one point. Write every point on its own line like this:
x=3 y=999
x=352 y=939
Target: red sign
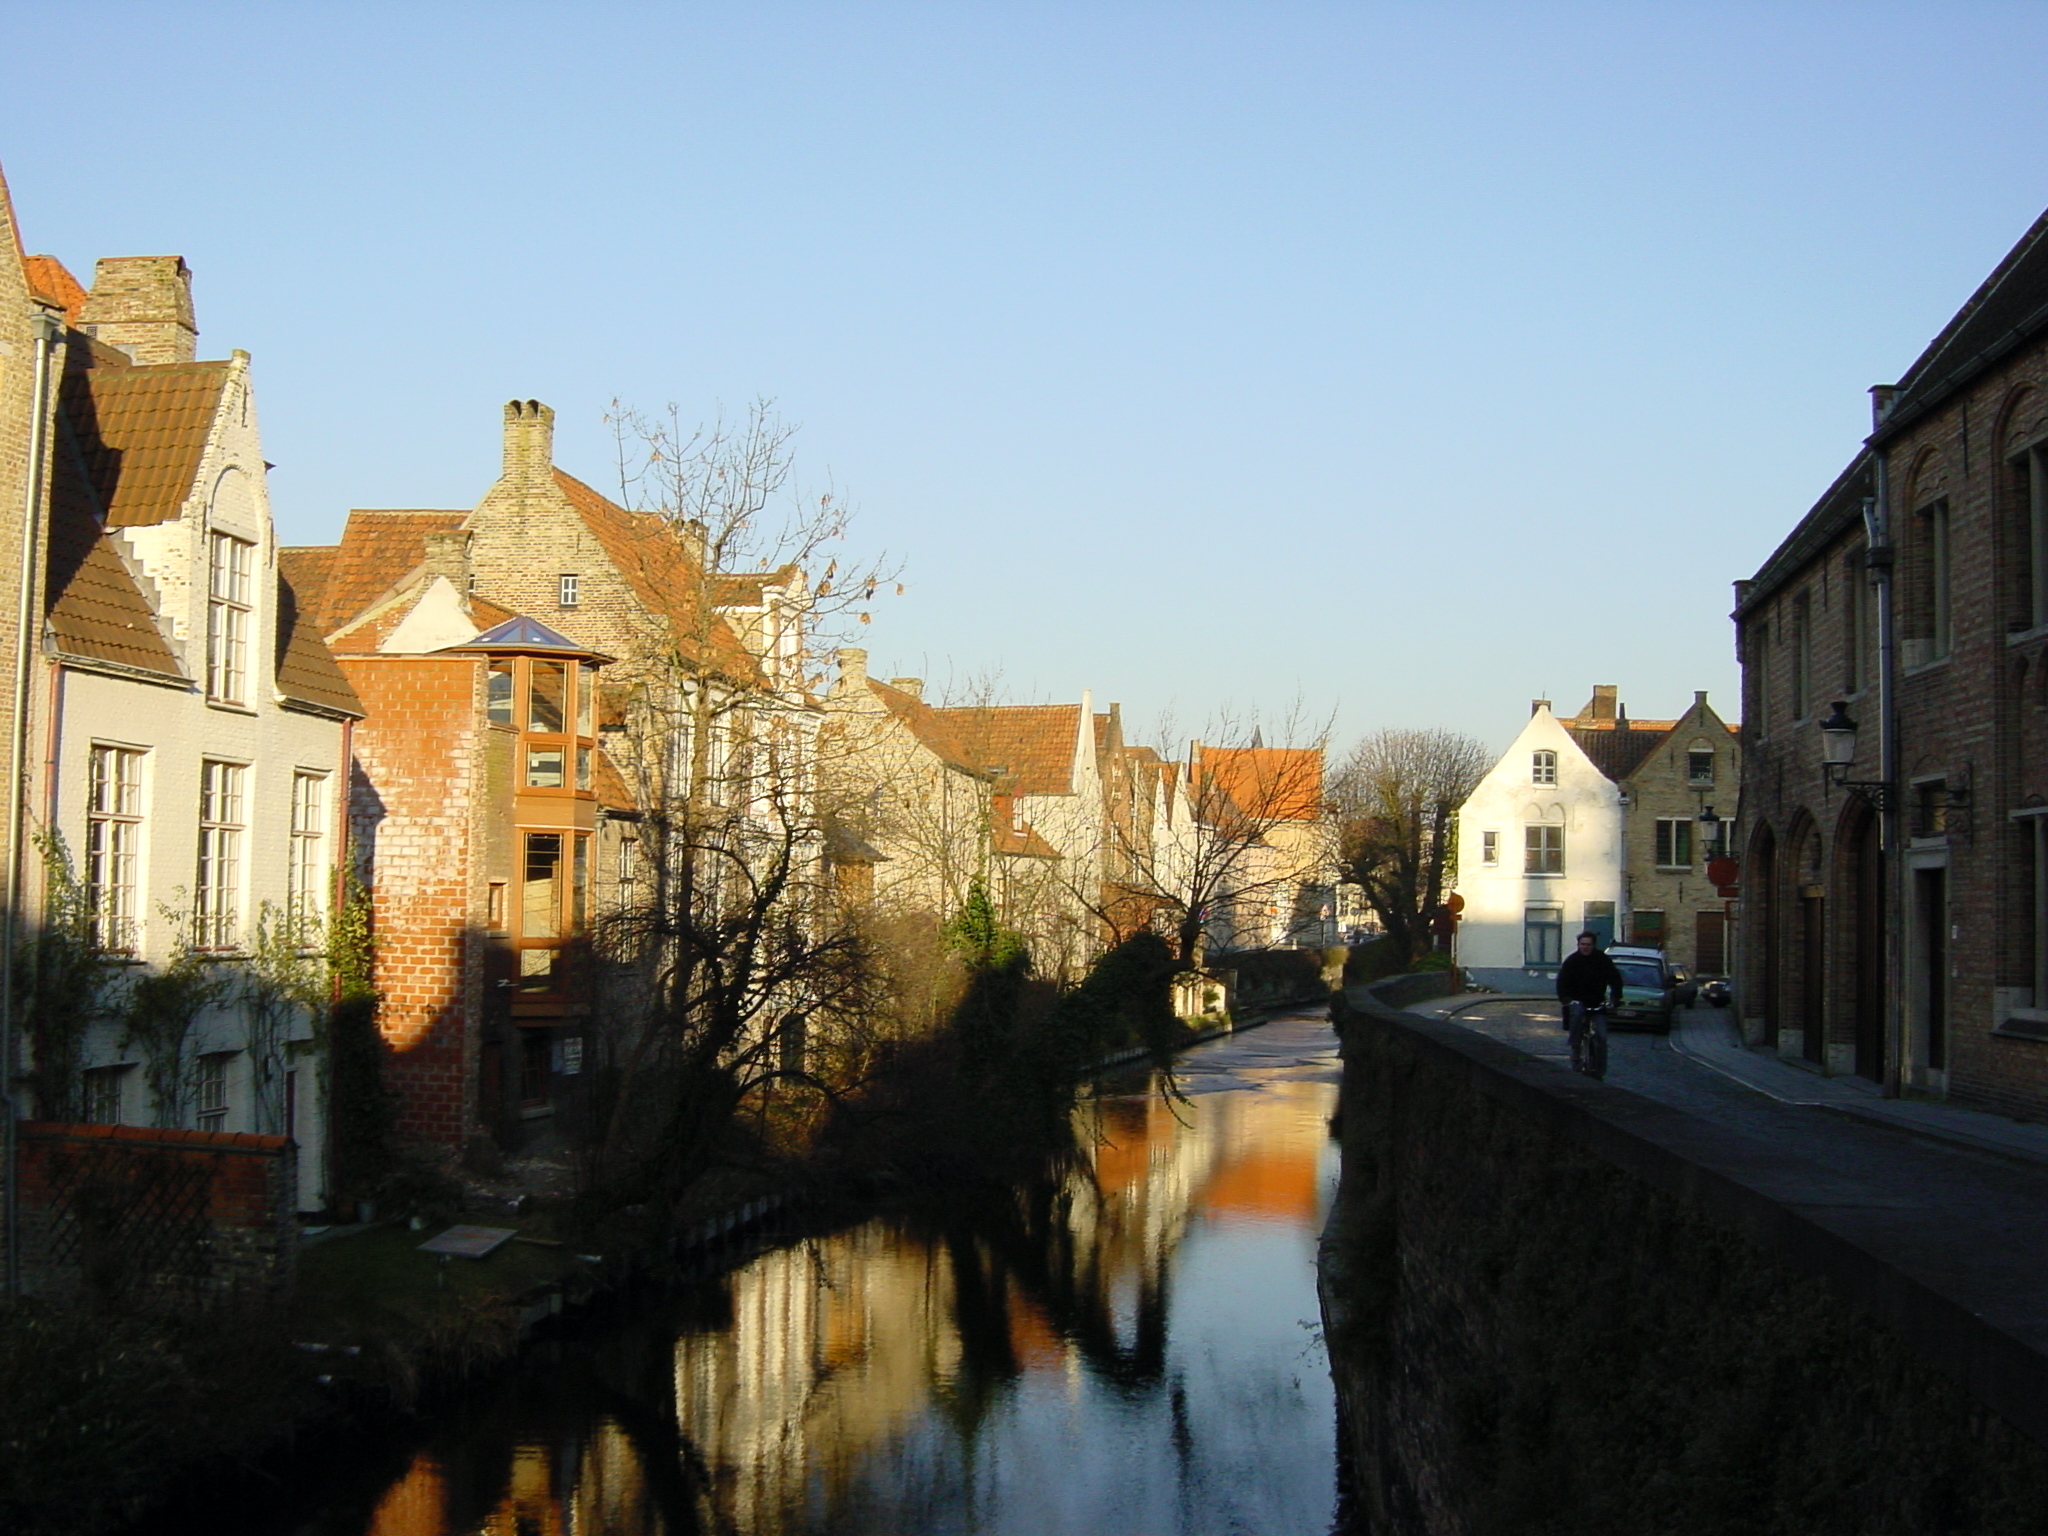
x=1454 y=903
x=1725 y=870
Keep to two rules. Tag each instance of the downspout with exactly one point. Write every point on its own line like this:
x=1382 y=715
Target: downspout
x=42 y=337
x=1879 y=556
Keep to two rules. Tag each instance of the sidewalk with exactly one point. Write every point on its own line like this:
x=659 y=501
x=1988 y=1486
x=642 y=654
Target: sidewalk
x=1710 y=1038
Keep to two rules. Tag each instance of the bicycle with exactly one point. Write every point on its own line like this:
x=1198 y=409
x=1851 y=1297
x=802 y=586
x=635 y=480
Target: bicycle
x=1587 y=1023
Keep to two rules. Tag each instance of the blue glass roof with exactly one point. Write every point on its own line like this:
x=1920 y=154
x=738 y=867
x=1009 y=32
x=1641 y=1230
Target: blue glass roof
x=520 y=633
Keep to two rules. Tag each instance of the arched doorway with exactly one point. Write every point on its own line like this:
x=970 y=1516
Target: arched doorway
x=1864 y=884
x=1805 y=894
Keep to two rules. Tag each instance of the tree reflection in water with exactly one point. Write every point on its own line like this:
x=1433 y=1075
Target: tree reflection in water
x=1123 y=1342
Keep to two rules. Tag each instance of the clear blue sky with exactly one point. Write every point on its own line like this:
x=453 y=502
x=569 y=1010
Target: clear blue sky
x=1420 y=359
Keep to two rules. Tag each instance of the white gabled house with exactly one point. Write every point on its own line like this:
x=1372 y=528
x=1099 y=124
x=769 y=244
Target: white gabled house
x=1540 y=858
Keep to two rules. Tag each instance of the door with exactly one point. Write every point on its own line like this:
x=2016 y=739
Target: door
x=1813 y=978
x=1600 y=922
x=1930 y=926
x=1710 y=944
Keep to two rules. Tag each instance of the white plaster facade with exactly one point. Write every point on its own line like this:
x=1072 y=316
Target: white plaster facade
x=1540 y=858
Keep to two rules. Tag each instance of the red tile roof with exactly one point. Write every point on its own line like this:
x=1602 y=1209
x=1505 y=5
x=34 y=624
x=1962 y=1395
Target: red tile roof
x=50 y=280
x=378 y=550
x=95 y=606
x=1263 y=784
x=1033 y=744
x=925 y=724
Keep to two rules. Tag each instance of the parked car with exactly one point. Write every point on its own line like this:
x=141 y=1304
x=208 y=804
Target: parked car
x=1716 y=993
x=1652 y=988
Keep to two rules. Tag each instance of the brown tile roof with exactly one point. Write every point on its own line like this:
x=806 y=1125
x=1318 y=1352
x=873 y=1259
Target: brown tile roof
x=1264 y=783
x=306 y=672
x=50 y=280
x=1011 y=835
x=925 y=724
x=1618 y=753
x=613 y=792
x=138 y=434
x=95 y=607
x=378 y=550
x=1033 y=744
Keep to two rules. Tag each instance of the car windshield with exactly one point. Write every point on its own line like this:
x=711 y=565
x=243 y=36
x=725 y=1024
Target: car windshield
x=1639 y=973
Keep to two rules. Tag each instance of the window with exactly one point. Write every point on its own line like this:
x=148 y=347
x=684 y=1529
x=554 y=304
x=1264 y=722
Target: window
x=566 y=595
x=498 y=698
x=1699 y=767
x=1648 y=928
x=2037 y=837
x=1674 y=842
x=544 y=767
x=217 y=913
x=1756 y=670
x=113 y=843
x=227 y=618
x=1543 y=768
x=1542 y=935
x=213 y=1091
x=1855 y=618
x=103 y=1095
x=547 y=691
x=494 y=906
x=553 y=901
x=2030 y=477
x=1489 y=848
x=1543 y=850
x=306 y=894
x=629 y=860
x=1936 y=619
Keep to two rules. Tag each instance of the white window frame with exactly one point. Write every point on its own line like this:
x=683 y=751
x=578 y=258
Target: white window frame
x=113 y=845
x=1692 y=765
x=1531 y=951
x=306 y=874
x=1671 y=832
x=105 y=1094
x=1543 y=769
x=223 y=830
x=210 y=1091
x=568 y=589
x=1489 y=848
x=1543 y=845
x=230 y=563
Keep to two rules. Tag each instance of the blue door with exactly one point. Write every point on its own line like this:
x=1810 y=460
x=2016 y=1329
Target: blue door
x=1600 y=922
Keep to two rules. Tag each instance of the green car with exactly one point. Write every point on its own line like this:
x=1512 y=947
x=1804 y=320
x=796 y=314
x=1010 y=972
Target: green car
x=1649 y=989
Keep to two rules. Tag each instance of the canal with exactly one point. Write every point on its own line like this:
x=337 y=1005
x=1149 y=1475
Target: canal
x=1131 y=1344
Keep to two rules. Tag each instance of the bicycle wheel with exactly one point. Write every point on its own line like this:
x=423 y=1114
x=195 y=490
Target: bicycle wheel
x=1575 y=1023
x=1596 y=1050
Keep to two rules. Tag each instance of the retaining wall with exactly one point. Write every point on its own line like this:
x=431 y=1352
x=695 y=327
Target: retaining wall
x=1553 y=1306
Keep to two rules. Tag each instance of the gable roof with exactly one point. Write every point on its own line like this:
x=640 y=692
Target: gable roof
x=925 y=723
x=51 y=281
x=306 y=670
x=1032 y=744
x=93 y=603
x=378 y=550
x=1263 y=783
x=1617 y=752
x=137 y=435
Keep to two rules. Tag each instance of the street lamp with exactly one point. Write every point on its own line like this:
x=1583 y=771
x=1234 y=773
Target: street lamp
x=1838 y=752
x=1710 y=831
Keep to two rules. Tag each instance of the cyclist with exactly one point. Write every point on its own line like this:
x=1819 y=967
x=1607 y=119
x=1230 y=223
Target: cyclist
x=1584 y=982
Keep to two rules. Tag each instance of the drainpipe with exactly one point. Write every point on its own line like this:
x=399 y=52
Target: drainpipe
x=42 y=338
x=1877 y=534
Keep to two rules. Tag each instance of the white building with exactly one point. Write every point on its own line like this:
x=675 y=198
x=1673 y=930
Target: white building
x=1540 y=858
x=193 y=739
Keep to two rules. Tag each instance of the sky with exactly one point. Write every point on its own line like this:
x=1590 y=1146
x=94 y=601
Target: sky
x=1388 y=365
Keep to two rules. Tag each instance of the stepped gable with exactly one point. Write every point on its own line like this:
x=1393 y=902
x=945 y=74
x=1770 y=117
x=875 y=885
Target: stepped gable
x=1031 y=744
x=138 y=434
x=94 y=605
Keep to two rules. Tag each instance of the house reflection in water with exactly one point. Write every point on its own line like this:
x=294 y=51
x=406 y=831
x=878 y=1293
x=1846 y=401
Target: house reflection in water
x=1130 y=1337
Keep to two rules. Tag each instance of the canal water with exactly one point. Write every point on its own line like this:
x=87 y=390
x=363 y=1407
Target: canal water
x=1130 y=1346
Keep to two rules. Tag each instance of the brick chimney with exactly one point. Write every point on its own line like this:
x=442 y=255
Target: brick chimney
x=529 y=441
x=448 y=555
x=1605 y=706
x=914 y=686
x=853 y=666
x=143 y=305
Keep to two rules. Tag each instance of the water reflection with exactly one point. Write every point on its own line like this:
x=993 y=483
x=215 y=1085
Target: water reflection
x=1130 y=1345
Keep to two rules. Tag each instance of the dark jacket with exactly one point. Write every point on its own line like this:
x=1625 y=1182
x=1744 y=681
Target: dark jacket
x=1587 y=978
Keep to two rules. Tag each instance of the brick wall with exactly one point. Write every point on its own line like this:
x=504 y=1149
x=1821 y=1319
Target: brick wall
x=116 y=1212
x=417 y=802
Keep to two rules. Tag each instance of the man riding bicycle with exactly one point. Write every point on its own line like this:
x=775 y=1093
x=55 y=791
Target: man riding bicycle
x=1584 y=981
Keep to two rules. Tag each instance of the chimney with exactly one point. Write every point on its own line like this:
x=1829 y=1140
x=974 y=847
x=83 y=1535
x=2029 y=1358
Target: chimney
x=1537 y=706
x=853 y=666
x=448 y=555
x=529 y=441
x=1604 y=706
x=1699 y=698
x=695 y=536
x=143 y=305
x=1882 y=398
x=914 y=686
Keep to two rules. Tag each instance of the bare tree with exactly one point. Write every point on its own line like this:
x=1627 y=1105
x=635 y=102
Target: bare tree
x=1220 y=846
x=736 y=978
x=1396 y=799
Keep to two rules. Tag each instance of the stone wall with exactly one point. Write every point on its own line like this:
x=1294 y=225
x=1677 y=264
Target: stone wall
x=1552 y=1306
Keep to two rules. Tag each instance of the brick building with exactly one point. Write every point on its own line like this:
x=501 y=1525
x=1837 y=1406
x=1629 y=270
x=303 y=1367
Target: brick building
x=1896 y=925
